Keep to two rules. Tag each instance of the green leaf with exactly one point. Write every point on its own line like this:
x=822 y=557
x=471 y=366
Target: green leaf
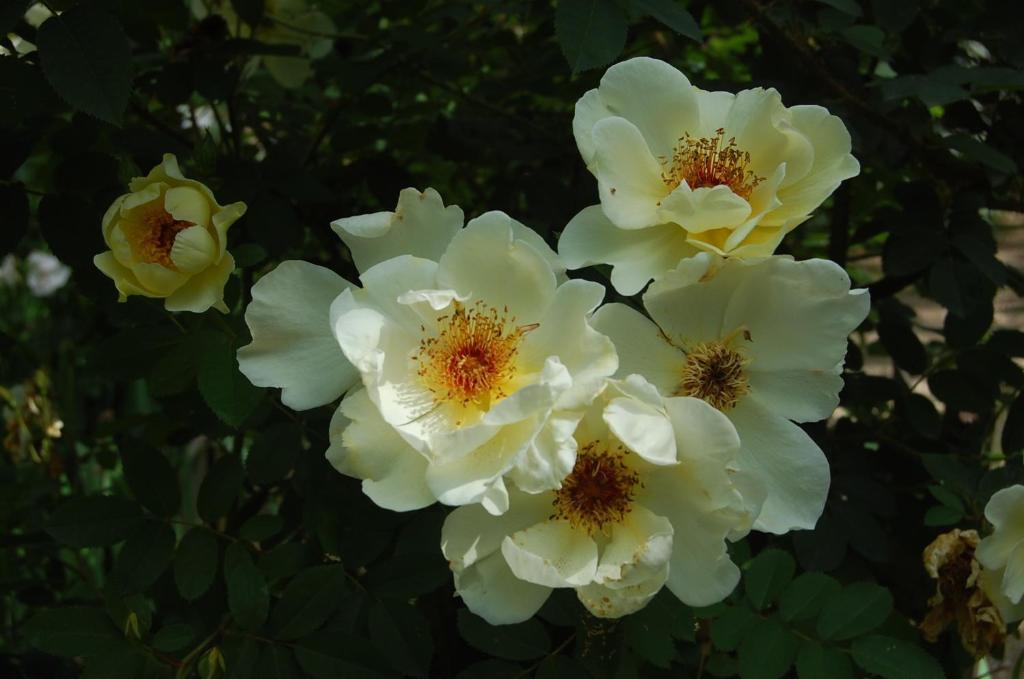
x=307 y=602
x=87 y=58
x=672 y=14
x=227 y=391
x=403 y=630
x=273 y=454
x=857 y=609
x=868 y=39
x=94 y=521
x=805 y=596
x=120 y=660
x=895 y=659
x=1013 y=430
x=652 y=631
x=817 y=661
x=767 y=651
x=524 y=641
x=14 y=207
x=591 y=33
x=242 y=656
x=330 y=654
x=248 y=598
x=220 y=488
x=942 y=516
x=561 y=667
x=144 y=557
x=981 y=152
x=276 y=662
x=767 y=575
x=173 y=638
x=261 y=527
x=729 y=629
x=71 y=631
x=947 y=497
x=195 y=565
x=846 y=6
x=153 y=480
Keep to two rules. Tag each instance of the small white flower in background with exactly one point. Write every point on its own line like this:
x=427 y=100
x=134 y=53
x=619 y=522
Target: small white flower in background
x=1002 y=552
x=46 y=274
x=650 y=501
x=293 y=23
x=764 y=342
x=9 y=275
x=681 y=169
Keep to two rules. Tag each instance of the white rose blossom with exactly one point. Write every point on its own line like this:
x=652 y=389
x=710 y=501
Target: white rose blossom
x=1002 y=553
x=474 y=351
x=478 y=360
x=650 y=500
x=764 y=342
x=681 y=169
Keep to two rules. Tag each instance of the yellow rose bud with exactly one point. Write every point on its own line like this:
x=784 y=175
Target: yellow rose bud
x=168 y=239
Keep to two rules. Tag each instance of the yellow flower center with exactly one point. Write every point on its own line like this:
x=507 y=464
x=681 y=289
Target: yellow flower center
x=715 y=372
x=471 y=360
x=152 y=232
x=711 y=161
x=598 y=492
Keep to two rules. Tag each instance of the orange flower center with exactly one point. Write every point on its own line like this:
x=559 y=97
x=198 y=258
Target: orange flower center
x=711 y=161
x=151 y=235
x=598 y=492
x=715 y=372
x=471 y=360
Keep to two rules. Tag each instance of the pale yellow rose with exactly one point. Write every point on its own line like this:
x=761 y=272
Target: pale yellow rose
x=168 y=239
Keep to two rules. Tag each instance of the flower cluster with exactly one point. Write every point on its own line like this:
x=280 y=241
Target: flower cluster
x=602 y=448
x=613 y=449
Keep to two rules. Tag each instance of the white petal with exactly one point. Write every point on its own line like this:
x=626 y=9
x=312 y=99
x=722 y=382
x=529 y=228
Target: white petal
x=493 y=592
x=1013 y=576
x=551 y=554
x=684 y=303
x=204 y=290
x=187 y=204
x=704 y=208
x=643 y=428
x=798 y=395
x=798 y=314
x=1005 y=511
x=421 y=226
x=628 y=176
x=474 y=473
x=801 y=194
x=550 y=456
x=366 y=447
x=762 y=128
x=386 y=283
x=654 y=96
x=157 y=278
x=470 y=533
x=194 y=249
x=641 y=346
x=590 y=108
x=605 y=601
x=702 y=432
x=792 y=467
x=636 y=255
x=565 y=332
x=124 y=279
x=640 y=545
x=293 y=347
x=487 y=261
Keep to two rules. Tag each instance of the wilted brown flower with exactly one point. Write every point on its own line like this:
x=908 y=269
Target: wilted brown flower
x=959 y=594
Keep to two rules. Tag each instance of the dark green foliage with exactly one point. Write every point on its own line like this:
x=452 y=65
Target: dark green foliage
x=183 y=518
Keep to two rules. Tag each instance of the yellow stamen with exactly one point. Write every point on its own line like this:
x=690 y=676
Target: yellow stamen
x=715 y=372
x=711 y=161
x=598 y=493
x=472 y=358
x=151 y=234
